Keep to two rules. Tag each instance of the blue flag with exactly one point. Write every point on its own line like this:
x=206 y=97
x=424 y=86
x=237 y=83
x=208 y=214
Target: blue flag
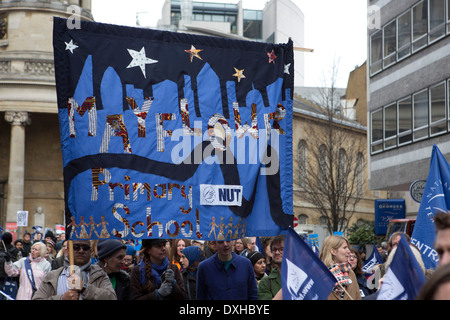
x=373 y=260
x=404 y=277
x=436 y=198
x=303 y=275
x=173 y=135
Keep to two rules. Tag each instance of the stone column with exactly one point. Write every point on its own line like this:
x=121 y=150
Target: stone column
x=16 y=175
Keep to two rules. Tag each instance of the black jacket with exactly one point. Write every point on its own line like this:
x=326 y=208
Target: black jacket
x=122 y=289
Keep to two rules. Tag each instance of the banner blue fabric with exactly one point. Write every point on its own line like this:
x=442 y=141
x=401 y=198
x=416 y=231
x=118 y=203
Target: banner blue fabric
x=303 y=275
x=436 y=198
x=173 y=135
x=404 y=277
x=372 y=261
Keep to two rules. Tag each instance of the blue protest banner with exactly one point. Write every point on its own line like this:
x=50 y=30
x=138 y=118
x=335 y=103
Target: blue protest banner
x=372 y=261
x=436 y=197
x=303 y=275
x=173 y=135
x=404 y=277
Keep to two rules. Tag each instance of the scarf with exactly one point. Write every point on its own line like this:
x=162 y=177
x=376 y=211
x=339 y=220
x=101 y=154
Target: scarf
x=157 y=271
x=340 y=272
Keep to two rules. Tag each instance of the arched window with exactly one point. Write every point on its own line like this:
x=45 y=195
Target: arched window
x=359 y=173
x=302 y=162
x=342 y=171
x=322 y=166
x=323 y=220
x=302 y=219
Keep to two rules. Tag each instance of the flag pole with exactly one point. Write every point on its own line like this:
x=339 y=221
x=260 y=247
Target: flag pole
x=345 y=291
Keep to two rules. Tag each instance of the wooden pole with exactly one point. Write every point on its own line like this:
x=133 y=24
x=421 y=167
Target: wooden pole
x=303 y=49
x=71 y=259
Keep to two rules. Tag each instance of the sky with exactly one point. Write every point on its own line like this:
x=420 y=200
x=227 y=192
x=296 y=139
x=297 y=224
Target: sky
x=335 y=29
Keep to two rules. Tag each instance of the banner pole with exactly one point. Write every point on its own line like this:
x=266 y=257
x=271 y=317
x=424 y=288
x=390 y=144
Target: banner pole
x=71 y=259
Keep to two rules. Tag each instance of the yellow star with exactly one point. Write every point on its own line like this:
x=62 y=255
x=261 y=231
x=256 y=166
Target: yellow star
x=239 y=74
x=194 y=52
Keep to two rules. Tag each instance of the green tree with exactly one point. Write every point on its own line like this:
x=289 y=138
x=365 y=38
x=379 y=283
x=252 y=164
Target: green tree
x=363 y=234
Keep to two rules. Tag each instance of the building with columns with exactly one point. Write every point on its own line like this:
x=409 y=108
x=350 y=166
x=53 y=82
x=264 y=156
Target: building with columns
x=31 y=174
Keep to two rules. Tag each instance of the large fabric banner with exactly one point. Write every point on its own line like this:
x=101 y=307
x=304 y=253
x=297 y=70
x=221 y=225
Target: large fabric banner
x=173 y=135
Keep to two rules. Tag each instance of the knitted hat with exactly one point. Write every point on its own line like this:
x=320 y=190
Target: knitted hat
x=51 y=242
x=106 y=248
x=255 y=256
x=130 y=250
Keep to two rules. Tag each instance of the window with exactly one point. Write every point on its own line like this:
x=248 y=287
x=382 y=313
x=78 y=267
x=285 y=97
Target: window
x=437 y=109
x=375 y=52
x=404 y=121
x=302 y=219
x=302 y=162
x=342 y=172
x=323 y=220
x=404 y=35
x=420 y=115
x=448 y=103
x=377 y=131
x=359 y=173
x=420 y=25
x=322 y=167
x=389 y=43
x=448 y=16
x=390 y=126
x=437 y=19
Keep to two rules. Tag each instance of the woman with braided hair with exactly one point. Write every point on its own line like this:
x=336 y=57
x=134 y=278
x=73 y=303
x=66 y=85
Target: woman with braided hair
x=155 y=278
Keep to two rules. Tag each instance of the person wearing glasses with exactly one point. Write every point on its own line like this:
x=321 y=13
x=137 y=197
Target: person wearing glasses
x=87 y=282
x=270 y=285
x=357 y=264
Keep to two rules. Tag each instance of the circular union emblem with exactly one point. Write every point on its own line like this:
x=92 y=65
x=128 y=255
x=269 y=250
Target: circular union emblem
x=209 y=195
x=416 y=190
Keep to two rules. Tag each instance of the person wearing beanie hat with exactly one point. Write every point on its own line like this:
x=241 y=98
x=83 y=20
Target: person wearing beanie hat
x=259 y=264
x=155 y=278
x=51 y=249
x=106 y=248
x=130 y=259
x=111 y=253
x=190 y=258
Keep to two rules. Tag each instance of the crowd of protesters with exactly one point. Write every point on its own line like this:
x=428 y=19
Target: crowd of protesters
x=182 y=269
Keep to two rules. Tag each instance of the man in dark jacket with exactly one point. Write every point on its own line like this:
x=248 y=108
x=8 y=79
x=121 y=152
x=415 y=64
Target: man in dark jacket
x=226 y=276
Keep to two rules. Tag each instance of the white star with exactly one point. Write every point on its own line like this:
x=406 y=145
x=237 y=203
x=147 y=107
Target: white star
x=139 y=60
x=71 y=46
x=286 y=68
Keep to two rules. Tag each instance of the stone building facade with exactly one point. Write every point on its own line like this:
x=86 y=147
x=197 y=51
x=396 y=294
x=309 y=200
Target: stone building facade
x=31 y=175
